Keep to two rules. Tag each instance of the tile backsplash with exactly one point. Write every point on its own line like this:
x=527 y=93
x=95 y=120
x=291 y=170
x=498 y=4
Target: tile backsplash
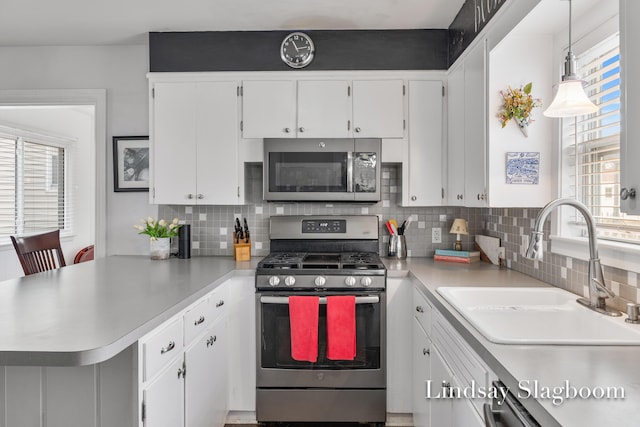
x=212 y=229
x=511 y=224
x=212 y=226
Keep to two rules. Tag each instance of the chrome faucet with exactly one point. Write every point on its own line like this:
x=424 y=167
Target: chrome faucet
x=598 y=292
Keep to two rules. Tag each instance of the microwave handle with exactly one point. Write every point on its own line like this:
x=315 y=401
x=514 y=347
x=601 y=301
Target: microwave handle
x=350 y=172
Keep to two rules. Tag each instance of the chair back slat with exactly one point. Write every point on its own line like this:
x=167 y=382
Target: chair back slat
x=40 y=252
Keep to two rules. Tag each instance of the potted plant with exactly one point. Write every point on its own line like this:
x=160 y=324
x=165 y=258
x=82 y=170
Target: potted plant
x=160 y=233
x=517 y=105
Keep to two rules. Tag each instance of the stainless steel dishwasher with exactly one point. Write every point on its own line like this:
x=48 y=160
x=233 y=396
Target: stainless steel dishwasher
x=507 y=413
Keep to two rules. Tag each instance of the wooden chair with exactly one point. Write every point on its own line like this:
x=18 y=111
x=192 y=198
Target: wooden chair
x=40 y=252
x=84 y=254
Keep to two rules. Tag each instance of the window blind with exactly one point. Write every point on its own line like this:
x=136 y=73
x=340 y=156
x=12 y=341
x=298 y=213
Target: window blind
x=32 y=186
x=593 y=143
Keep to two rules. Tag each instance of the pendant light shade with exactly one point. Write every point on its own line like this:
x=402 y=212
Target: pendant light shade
x=570 y=99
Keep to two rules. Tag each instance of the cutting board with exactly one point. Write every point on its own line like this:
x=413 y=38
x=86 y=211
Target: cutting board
x=490 y=246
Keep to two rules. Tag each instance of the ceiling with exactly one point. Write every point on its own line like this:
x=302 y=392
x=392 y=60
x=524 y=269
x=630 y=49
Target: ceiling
x=106 y=22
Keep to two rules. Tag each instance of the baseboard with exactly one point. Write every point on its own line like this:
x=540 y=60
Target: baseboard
x=249 y=417
x=399 y=420
x=241 y=417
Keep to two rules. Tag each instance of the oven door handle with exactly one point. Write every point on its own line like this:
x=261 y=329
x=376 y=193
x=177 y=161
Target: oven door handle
x=323 y=300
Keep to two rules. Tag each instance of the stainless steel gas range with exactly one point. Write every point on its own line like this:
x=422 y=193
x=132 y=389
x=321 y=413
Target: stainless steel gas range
x=323 y=256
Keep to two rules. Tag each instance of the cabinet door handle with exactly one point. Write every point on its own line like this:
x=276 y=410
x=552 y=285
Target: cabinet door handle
x=357 y=129
x=189 y=196
x=426 y=351
x=168 y=348
x=199 y=321
x=628 y=193
x=200 y=196
x=220 y=303
x=287 y=130
x=419 y=309
x=414 y=198
x=182 y=372
x=211 y=340
x=301 y=129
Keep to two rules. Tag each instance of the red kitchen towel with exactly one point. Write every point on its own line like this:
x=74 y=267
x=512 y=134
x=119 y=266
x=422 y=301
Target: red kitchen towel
x=303 y=320
x=341 y=327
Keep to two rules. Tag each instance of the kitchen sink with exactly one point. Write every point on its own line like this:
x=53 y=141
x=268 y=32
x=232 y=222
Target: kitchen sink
x=537 y=316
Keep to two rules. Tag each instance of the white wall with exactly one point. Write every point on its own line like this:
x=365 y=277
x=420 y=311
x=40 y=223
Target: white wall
x=516 y=61
x=121 y=70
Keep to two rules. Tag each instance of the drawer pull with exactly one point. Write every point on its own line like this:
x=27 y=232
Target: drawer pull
x=419 y=309
x=220 y=303
x=425 y=351
x=199 y=321
x=168 y=348
x=211 y=340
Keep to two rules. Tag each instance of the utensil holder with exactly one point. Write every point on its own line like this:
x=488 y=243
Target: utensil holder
x=242 y=251
x=397 y=247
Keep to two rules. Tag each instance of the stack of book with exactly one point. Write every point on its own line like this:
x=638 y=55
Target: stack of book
x=456 y=256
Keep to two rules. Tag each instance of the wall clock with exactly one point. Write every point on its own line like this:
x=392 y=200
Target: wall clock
x=297 y=50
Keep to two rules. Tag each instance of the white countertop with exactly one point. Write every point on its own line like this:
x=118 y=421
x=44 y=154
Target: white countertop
x=549 y=365
x=87 y=313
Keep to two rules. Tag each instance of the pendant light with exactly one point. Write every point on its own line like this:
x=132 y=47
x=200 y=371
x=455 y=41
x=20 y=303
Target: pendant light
x=570 y=99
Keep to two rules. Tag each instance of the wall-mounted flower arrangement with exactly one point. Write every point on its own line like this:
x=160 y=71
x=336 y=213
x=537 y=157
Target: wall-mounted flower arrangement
x=517 y=105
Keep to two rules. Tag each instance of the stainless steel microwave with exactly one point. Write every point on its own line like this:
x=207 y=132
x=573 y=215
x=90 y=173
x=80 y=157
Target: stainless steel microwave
x=322 y=170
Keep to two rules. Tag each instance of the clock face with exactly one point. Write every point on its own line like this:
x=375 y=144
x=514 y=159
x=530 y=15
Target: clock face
x=297 y=50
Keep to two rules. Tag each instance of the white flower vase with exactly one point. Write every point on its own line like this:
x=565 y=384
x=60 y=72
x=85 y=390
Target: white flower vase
x=523 y=125
x=160 y=248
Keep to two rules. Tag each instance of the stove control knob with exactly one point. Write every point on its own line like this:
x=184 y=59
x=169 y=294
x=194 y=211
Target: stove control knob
x=289 y=280
x=274 y=280
x=320 y=281
x=350 y=281
x=366 y=281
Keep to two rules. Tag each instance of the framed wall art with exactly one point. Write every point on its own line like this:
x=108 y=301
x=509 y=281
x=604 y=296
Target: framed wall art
x=523 y=168
x=130 y=163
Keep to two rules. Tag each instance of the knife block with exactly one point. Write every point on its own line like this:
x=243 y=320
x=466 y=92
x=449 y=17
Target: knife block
x=242 y=251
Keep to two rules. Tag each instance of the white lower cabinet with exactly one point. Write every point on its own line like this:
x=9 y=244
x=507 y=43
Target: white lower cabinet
x=191 y=387
x=206 y=378
x=441 y=379
x=443 y=367
x=421 y=373
x=164 y=398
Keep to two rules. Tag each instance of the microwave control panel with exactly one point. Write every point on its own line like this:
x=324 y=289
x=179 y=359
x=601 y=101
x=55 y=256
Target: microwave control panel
x=324 y=226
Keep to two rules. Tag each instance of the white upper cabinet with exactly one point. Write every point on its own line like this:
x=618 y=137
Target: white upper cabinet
x=475 y=120
x=269 y=109
x=423 y=165
x=324 y=109
x=194 y=136
x=378 y=108
x=173 y=143
x=455 y=137
x=630 y=105
x=296 y=109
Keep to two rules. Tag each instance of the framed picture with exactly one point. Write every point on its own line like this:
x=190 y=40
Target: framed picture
x=523 y=168
x=130 y=163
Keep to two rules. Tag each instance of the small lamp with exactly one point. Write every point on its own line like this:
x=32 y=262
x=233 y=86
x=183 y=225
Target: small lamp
x=458 y=227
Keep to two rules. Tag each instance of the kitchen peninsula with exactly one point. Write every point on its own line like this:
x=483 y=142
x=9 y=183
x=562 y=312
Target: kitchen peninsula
x=78 y=328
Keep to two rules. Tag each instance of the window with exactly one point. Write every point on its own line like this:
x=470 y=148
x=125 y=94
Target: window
x=33 y=173
x=591 y=150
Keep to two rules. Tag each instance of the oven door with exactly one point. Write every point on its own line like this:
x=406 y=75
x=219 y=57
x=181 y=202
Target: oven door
x=276 y=368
